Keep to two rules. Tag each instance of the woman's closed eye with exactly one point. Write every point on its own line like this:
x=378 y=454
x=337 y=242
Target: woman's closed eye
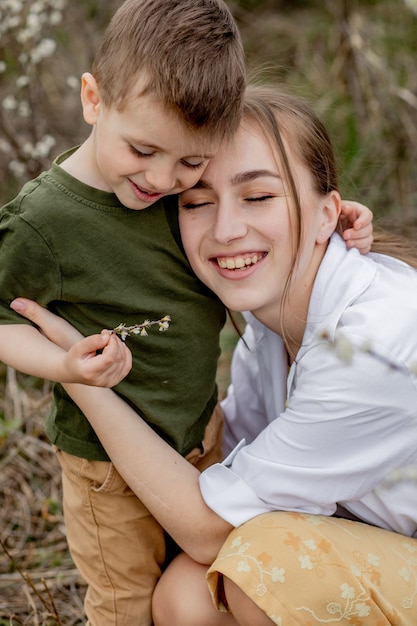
x=203 y=202
x=260 y=198
x=189 y=205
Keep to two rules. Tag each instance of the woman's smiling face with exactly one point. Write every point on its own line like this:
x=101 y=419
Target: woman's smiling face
x=236 y=226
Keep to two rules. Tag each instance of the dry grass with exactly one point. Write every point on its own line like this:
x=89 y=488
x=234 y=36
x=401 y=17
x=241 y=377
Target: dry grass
x=39 y=584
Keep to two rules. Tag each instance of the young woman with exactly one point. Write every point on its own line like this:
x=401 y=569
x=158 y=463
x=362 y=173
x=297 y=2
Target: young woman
x=312 y=518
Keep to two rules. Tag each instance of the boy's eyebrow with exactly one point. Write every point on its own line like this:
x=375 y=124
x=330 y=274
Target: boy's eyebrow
x=243 y=177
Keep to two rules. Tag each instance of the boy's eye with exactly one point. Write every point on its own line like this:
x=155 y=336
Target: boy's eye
x=139 y=153
x=146 y=155
x=193 y=166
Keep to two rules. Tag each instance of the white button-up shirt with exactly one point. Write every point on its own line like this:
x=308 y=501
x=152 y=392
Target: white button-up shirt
x=341 y=431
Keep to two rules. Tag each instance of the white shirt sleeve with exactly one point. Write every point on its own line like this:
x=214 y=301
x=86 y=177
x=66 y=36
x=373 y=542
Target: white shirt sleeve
x=344 y=429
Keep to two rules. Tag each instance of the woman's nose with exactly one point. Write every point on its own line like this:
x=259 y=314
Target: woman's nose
x=229 y=224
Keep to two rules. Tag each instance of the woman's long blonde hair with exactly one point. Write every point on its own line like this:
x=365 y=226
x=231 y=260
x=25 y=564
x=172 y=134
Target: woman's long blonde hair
x=282 y=116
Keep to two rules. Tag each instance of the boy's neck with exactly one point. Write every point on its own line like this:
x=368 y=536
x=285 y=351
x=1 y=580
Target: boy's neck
x=82 y=165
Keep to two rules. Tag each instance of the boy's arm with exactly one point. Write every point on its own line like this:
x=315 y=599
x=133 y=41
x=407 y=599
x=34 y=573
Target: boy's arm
x=25 y=349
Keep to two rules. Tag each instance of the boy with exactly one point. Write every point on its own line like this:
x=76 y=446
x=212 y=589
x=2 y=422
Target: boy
x=84 y=240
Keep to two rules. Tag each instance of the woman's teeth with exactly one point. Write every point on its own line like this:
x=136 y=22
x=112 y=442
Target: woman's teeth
x=239 y=263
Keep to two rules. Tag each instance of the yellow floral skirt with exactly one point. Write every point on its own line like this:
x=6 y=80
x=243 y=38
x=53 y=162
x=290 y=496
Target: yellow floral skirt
x=306 y=570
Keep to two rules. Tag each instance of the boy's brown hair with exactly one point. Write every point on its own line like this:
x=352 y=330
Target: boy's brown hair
x=188 y=51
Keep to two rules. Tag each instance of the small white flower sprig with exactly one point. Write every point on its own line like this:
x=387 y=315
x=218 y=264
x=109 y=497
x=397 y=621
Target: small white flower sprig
x=124 y=331
x=345 y=350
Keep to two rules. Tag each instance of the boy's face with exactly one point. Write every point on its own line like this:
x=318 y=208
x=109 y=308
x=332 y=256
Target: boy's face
x=143 y=152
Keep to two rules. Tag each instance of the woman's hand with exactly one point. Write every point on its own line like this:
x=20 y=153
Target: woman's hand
x=101 y=360
x=356 y=221
x=52 y=326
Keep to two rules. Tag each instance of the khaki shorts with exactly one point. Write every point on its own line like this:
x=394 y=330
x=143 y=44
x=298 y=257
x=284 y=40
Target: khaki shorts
x=307 y=570
x=116 y=544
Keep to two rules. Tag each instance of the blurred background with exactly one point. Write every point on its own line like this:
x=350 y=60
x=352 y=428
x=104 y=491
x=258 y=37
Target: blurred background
x=355 y=61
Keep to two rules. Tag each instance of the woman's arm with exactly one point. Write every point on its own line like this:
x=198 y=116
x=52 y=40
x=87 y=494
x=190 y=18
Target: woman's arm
x=163 y=480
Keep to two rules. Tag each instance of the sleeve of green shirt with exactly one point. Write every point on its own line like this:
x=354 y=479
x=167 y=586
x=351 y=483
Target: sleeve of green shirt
x=27 y=266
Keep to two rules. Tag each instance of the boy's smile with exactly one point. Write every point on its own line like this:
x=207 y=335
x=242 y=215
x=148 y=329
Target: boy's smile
x=143 y=195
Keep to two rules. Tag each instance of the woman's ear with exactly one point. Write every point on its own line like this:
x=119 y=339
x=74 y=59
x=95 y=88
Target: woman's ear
x=330 y=212
x=90 y=98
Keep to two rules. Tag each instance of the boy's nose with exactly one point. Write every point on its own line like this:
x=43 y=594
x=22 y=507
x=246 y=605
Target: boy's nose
x=160 y=180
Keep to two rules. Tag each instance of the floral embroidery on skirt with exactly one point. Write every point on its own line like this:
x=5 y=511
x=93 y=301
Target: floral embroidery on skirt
x=309 y=570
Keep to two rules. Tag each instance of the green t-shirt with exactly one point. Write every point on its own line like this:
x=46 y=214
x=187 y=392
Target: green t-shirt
x=96 y=263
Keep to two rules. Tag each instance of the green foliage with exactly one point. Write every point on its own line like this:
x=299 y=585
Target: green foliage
x=7 y=426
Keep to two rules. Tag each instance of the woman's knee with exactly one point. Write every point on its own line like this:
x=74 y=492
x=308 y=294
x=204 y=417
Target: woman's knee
x=181 y=597
x=243 y=609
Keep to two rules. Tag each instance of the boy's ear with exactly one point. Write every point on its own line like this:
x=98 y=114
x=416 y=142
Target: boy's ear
x=90 y=98
x=330 y=212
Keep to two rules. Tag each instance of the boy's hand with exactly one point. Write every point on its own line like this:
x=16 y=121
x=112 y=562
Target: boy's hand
x=99 y=360
x=81 y=362
x=356 y=221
